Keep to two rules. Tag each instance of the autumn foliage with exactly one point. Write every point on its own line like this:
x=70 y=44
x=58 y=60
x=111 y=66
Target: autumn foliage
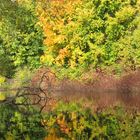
x=90 y=34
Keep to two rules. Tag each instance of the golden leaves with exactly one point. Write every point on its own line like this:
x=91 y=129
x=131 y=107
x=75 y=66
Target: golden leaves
x=63 y=53
x=53 y=19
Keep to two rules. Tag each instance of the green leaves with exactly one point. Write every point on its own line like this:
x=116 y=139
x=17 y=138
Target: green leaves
x=21 y=37
x=93 y=34
x=15 y=125
x=72 y=121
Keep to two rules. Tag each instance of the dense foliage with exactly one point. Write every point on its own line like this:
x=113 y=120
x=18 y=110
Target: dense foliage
x=91 y=34
x=21 y=39
x=78 y=35
x=70 y=122
x=70 y=36
x=15 y=125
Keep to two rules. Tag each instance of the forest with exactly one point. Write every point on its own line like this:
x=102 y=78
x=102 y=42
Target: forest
x=69 y=69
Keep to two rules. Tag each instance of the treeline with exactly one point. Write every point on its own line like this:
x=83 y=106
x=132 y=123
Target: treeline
x=72 y=36
x=91 y=34
x=21 y=38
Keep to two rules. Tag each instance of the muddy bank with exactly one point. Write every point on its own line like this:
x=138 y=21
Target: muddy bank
x=104 y=90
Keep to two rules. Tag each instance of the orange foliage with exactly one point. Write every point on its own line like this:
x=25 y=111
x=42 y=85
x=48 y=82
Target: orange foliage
x=53 y=16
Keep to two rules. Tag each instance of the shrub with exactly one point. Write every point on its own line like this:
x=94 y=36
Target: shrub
x=7 y=68
x=21 y=37
x=90 y=34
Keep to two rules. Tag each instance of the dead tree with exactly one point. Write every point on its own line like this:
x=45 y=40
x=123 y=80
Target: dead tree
x=29 y=96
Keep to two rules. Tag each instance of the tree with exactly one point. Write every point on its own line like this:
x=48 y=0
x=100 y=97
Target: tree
x=94 y=34
x=21 y=38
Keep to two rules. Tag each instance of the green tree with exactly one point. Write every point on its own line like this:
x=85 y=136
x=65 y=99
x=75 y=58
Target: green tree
x=92 y=33
x=21 y=38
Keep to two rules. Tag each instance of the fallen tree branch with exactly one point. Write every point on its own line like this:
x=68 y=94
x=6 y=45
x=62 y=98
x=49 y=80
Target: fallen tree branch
x=32 y=96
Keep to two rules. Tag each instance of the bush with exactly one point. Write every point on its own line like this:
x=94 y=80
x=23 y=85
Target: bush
x=7 y=68
x=22 y=78
x=21 y=38
x=90 y=34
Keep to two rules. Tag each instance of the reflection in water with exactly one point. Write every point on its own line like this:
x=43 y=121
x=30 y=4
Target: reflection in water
x=98 y=96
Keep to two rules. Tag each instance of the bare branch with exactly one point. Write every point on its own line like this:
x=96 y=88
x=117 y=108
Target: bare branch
x=33 y=96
